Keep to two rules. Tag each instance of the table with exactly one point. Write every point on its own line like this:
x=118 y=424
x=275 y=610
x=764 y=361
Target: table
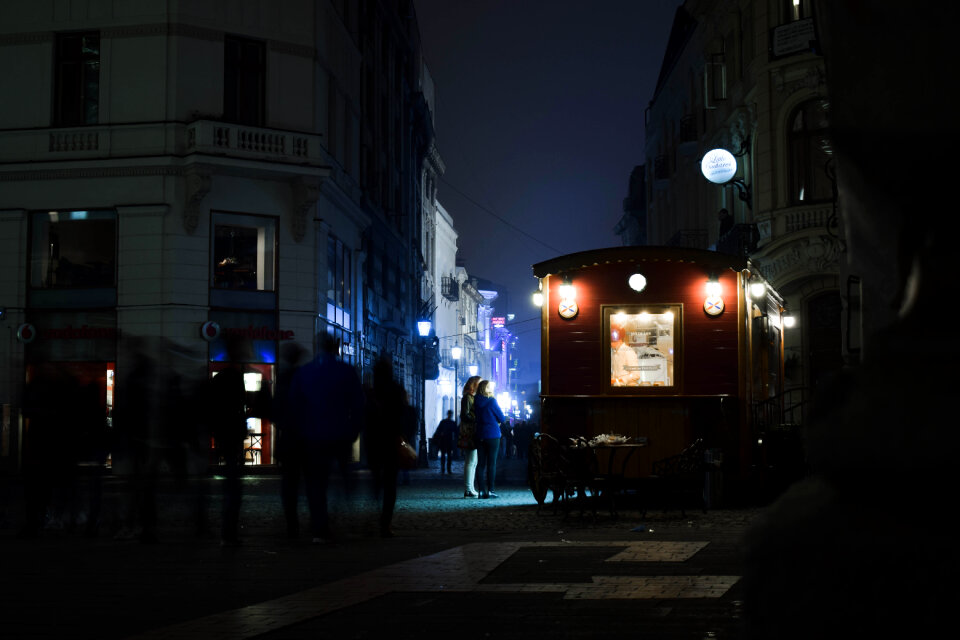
x=611 y=483
x=614 y=449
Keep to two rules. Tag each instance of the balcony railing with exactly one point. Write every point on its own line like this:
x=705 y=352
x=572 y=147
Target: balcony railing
x=692 y=238
x=206 y=136
x=793 y=220
x=450 y=288
x=784 y=411
x=103 y=142
x=741 y=240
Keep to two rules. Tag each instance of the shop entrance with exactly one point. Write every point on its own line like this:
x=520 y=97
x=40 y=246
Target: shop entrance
x=89 y=389
x=260 y=440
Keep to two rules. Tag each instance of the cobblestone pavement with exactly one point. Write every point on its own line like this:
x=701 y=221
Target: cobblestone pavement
x=479 y=568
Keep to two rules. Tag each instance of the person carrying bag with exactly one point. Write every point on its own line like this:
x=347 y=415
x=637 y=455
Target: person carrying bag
x=468 y=437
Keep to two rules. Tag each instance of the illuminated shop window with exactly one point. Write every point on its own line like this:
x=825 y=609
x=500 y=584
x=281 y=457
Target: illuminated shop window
x=339 y=293
x=244 y=252
x=73 y=249
x=641 y=345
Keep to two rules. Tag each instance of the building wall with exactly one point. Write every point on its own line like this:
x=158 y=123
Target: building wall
x=709 y=345
x=795 y=246
x=335 y=156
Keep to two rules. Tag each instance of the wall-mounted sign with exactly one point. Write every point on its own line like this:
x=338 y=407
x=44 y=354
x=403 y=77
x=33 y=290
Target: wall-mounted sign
x=210 y=330
x=81 y=333
x=259 y=333
x=794 y=37
x=26 y=333
x=713 y=305
x=568 y=309
x=498 y=322
x=718 y=166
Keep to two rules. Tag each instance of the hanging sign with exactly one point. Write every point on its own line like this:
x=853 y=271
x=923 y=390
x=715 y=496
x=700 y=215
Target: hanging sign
x=718 y=166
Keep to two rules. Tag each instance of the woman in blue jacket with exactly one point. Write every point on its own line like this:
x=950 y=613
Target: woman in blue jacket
x=489 y=418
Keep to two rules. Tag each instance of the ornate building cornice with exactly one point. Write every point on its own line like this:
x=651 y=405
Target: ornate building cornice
x=89 y=172
x=803 y=257
x=158 y=29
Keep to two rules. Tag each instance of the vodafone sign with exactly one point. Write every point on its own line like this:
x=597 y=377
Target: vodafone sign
x=718 y=166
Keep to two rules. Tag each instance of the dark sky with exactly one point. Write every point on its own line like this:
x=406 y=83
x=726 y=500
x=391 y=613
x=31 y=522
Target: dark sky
x=539 y=119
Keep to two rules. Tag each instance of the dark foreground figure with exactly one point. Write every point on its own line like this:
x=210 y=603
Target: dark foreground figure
x=865 y=546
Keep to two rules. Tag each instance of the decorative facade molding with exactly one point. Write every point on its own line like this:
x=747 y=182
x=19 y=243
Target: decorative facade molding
x=742 y=124
x=801 y=257
x=787 y=83
x=306 y=192
x=167 y=29
x=90 y=172
x=198 y=182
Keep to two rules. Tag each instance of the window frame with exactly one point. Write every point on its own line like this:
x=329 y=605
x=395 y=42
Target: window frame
x=79 y=104
x=802 y=155
x=72 y=215
x=676 y=335
x=241 y=76
x=246 y=220
x=341 y=277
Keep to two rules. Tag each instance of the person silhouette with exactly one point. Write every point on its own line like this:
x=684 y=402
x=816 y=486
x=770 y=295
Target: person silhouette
x=291 y=446
x=384 y=429
x=445 y=436
x=857 y=549
x=326 y=400
x=228 y=425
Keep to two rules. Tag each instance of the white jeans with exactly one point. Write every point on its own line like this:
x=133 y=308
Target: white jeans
x=469 y=469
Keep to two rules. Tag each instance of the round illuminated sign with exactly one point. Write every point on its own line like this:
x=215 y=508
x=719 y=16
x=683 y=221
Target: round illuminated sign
x=568 y=309
x=713 y=305
x=718 y=166
x=26 y=333
x=210 y=331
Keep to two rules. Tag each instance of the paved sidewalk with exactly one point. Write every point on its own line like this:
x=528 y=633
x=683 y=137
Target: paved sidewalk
x=476 y=568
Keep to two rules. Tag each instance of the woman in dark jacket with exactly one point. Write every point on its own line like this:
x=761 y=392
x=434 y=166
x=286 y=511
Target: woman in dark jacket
x=489 y=417
x=468 y=436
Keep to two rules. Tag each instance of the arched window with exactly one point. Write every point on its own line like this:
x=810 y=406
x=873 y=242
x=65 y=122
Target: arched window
x=810 y=151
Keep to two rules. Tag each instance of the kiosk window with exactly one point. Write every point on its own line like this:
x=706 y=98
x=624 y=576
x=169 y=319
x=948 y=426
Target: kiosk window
x=641 y=345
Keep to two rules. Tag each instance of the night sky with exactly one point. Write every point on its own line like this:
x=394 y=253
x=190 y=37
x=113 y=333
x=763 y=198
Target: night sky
x=539 y=121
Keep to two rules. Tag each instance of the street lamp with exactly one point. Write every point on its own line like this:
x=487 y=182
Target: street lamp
x=455 y=353
x=423 y=328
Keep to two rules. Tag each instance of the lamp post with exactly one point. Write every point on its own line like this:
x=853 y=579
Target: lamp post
x=455 y=353
x=423 y=328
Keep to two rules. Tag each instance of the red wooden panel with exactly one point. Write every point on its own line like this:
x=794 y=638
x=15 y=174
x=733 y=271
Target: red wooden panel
x=709 y=344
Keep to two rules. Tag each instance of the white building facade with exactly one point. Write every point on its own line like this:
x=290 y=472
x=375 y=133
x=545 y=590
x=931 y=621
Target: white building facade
x=177 y=172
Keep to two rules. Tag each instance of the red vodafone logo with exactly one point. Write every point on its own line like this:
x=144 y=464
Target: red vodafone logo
x=210 y=330
x=26 y=333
